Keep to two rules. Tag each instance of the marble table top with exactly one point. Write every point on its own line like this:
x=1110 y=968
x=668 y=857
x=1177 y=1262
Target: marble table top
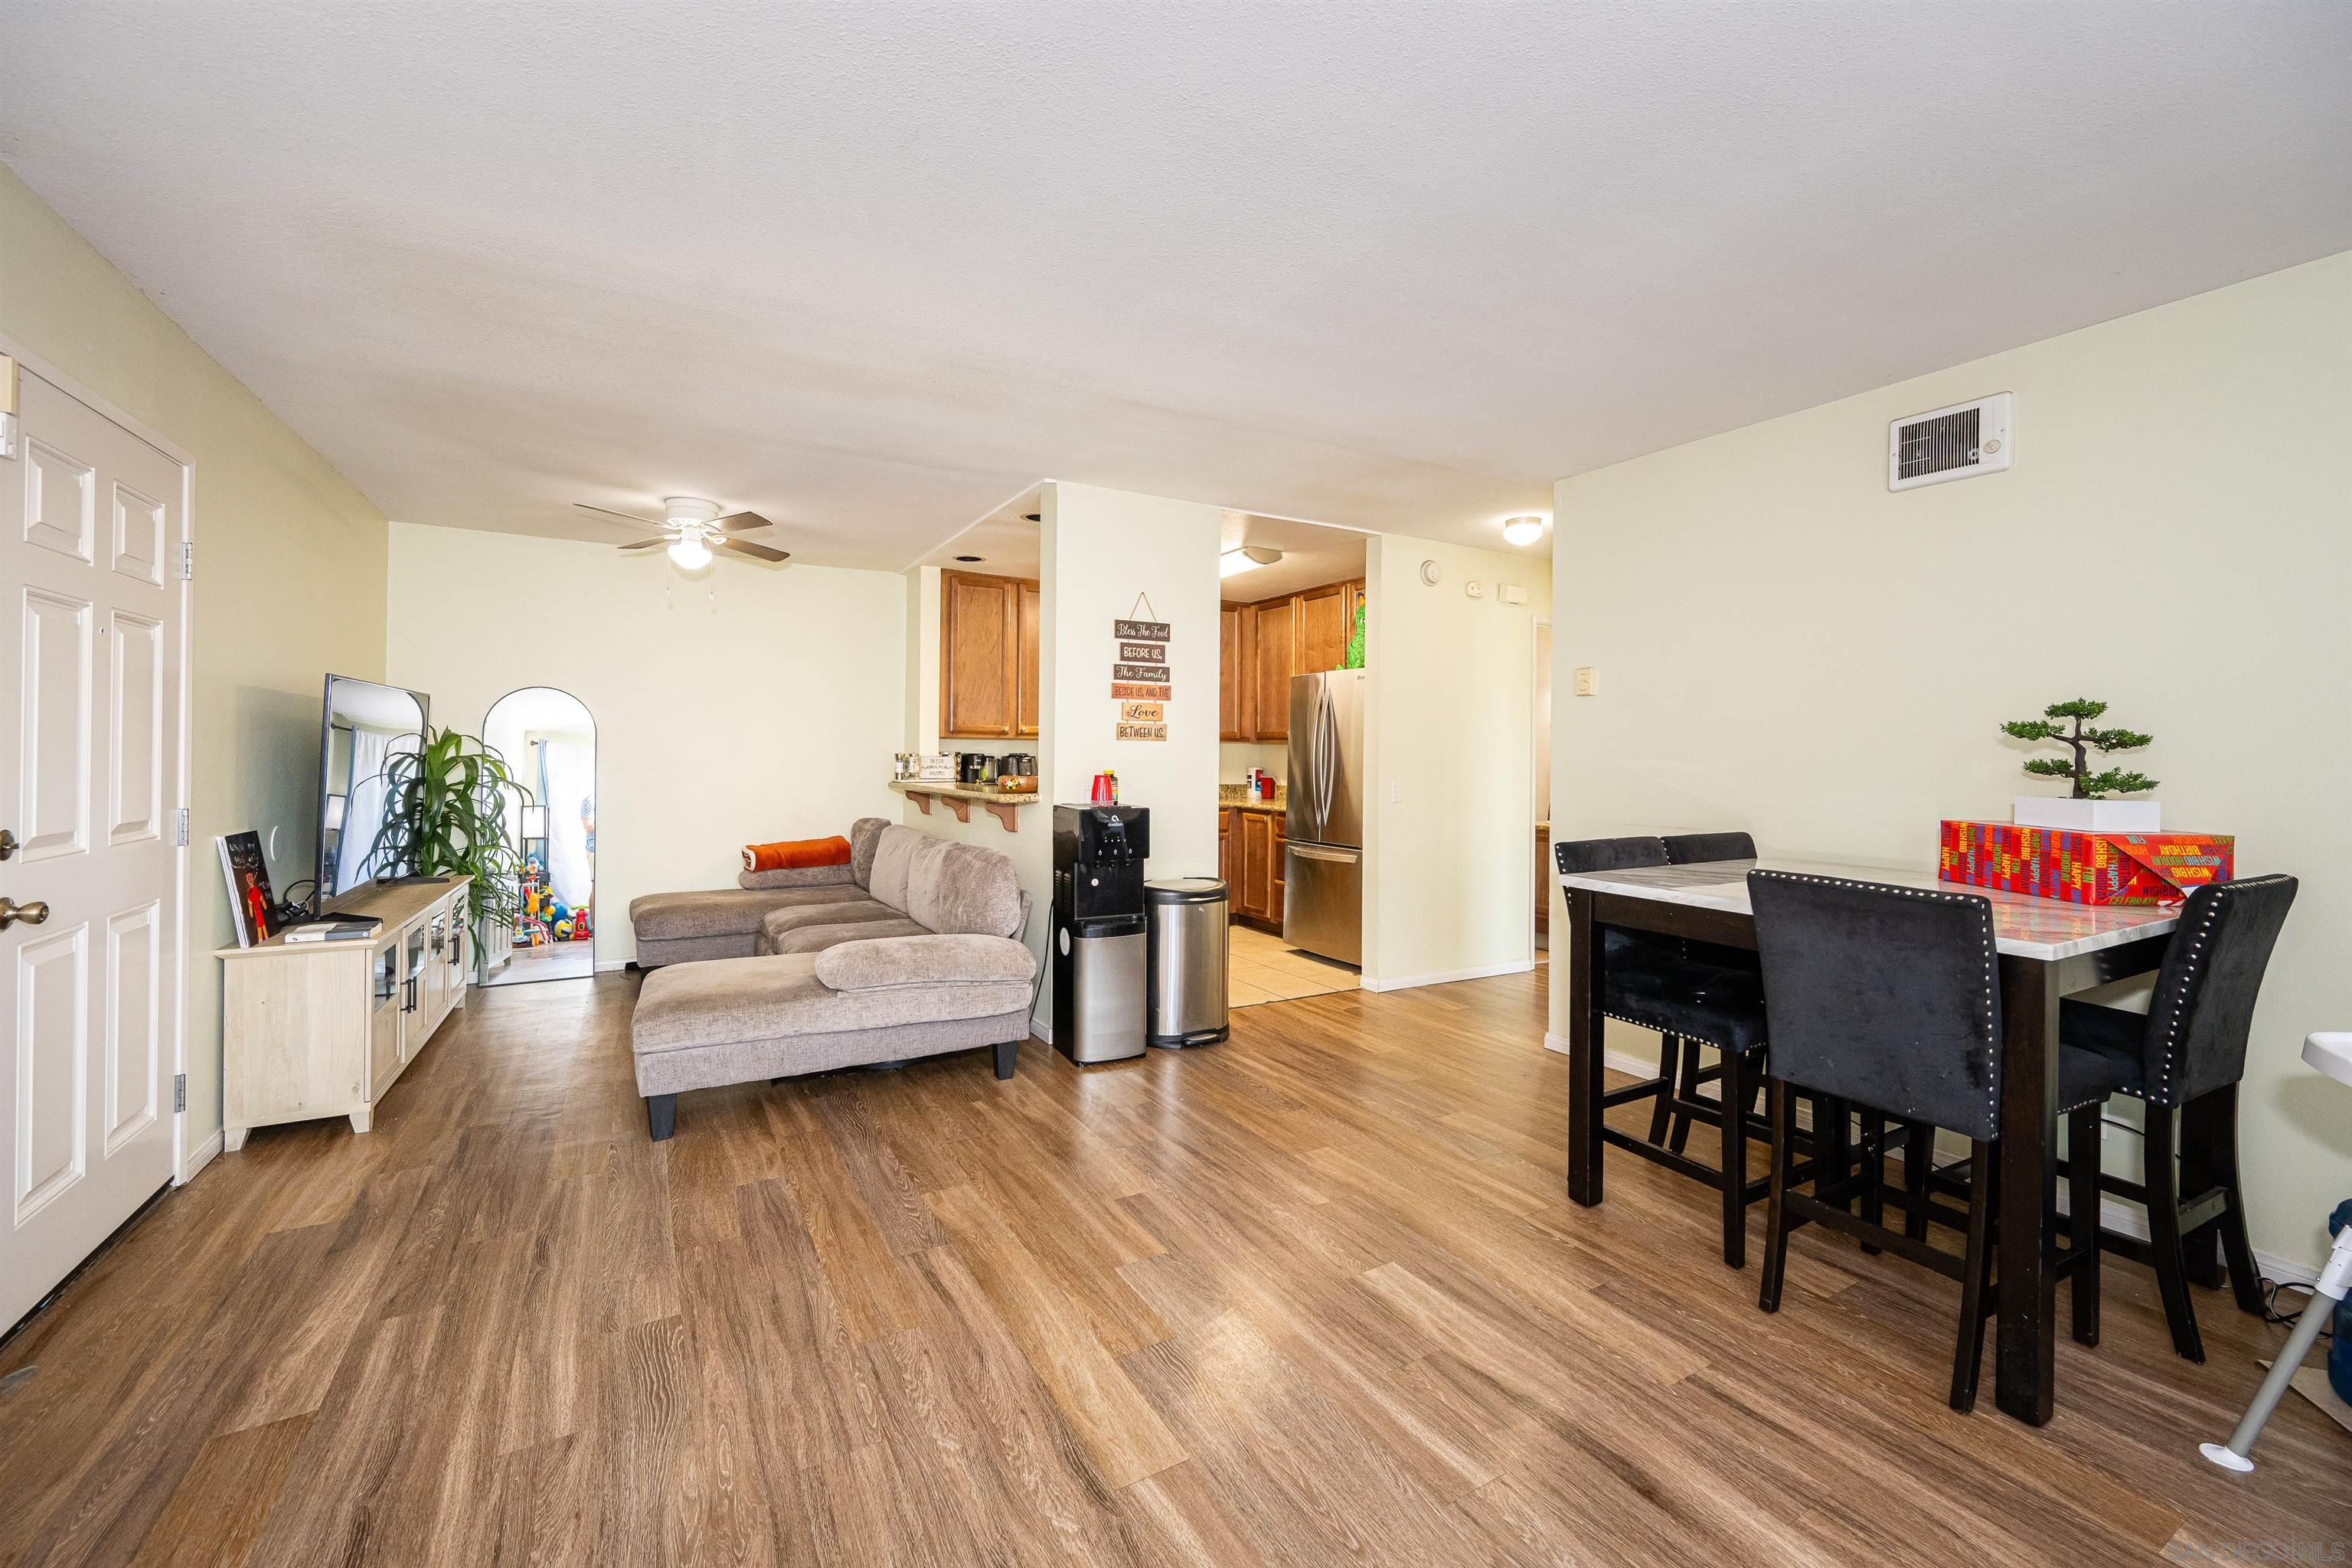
x=2023 y=927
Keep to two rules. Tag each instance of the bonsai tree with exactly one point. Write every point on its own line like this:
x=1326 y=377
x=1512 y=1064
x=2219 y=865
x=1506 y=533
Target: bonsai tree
x=2083 y=741
x=444 y=810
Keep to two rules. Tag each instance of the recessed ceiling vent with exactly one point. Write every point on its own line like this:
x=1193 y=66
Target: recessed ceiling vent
x=1953 y=443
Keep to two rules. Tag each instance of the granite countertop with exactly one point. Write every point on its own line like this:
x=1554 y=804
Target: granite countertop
x=965 y=792
x=1235 y=797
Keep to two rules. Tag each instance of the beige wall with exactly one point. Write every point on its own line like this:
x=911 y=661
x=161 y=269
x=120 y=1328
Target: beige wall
x=1103 y=548
x=1450 y=811
x=289 y=574
x=1236 y=758
x=1785 y=646
x=767 y=711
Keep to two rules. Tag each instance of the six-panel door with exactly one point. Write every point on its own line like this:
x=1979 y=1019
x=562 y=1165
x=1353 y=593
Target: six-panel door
x=89 y=774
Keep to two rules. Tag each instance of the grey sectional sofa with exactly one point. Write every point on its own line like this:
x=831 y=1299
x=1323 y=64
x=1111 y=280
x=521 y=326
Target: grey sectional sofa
x=911 y=950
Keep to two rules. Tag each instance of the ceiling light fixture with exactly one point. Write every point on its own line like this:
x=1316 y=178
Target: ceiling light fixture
x=1245 y=558
x=1522 y=529
x=688 y=553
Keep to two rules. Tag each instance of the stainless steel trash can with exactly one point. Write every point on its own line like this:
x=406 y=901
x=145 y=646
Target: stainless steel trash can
x=1184 y=976
x=1105 y=1019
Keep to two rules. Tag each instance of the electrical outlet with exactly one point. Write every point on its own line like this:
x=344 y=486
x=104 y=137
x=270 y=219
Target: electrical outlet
x=1396 y=792
x=1588 y=680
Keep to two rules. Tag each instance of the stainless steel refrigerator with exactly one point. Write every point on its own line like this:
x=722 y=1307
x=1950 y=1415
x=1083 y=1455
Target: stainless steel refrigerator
x=1323 y=864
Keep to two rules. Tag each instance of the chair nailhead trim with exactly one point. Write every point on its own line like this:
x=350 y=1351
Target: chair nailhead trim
x=1702 y=1039
x=2160 y=1092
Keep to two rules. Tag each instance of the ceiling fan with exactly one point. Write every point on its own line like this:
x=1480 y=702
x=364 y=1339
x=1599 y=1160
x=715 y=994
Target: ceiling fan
x=692 y=527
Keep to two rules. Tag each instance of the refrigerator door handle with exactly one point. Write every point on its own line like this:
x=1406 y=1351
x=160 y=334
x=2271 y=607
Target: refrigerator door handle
x=1327 y=746
x=1316 y=852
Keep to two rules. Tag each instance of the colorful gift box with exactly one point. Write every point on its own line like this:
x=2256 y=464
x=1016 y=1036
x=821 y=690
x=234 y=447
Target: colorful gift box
x=2127 y=869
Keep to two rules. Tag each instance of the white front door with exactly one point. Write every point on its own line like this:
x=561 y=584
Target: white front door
x=89 y=768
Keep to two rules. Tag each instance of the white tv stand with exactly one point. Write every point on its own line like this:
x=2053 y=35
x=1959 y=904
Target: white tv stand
x=323 y=1029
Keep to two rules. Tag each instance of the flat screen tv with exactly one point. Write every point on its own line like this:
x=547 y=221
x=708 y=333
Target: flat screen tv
x=364 y=723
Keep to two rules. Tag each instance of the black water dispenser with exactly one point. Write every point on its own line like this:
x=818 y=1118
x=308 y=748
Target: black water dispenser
x=1098 y=938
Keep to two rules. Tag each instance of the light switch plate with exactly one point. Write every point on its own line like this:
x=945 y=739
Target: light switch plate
x=1396 y=792
x=1588 y=680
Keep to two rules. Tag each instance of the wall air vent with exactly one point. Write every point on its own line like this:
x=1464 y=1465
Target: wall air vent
x=1955 y=443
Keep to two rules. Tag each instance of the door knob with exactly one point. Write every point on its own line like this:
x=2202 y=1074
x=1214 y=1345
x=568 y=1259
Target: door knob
x=32 y=914
x=8 y=845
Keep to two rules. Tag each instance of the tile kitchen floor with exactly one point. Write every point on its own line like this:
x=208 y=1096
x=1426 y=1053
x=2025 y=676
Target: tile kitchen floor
x=1265 y=968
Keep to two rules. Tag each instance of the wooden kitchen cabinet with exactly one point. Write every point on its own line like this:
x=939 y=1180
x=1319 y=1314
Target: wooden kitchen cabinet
x=1234 y=650
x=1543 y=881
x=1281 y=847
x=1261 y=645
x=1029 y=608
x=1249 y=857
x=1323 y=614
x=1275 y=627
x=988 y=655
x=1254 y=895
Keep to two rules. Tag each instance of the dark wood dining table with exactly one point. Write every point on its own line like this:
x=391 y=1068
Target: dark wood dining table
x=2048 y=948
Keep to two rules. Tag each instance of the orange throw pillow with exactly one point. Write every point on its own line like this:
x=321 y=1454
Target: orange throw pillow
x=796 y=854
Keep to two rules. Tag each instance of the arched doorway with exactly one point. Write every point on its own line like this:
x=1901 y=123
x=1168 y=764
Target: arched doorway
x=549 y=741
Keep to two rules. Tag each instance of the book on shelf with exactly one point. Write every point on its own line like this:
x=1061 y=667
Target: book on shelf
x=346 y=928
x=250 y=906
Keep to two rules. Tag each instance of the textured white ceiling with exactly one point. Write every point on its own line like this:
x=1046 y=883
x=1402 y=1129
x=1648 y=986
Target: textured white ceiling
x=870 y=268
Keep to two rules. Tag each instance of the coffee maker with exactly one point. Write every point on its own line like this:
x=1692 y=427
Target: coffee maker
x=1099 y=936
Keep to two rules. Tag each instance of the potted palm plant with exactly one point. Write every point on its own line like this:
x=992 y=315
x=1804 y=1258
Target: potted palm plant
x=445 y=812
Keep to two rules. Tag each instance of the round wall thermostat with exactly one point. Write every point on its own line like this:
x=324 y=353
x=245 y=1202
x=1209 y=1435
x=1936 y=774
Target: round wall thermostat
x=1430 y=574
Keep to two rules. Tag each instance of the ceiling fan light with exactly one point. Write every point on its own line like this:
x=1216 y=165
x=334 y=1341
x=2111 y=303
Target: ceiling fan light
x=1522 y=529
x=688 y=553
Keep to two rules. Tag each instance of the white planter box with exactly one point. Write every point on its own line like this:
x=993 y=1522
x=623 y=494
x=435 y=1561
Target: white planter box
x=2088 y=815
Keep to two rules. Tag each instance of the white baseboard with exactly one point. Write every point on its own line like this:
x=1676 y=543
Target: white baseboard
x=607 y=966
x=198 y=1158
x=1518 y=966
x=2118 y=1215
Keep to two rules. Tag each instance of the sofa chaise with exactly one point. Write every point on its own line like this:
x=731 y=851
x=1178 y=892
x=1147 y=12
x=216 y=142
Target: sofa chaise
x=911 y=950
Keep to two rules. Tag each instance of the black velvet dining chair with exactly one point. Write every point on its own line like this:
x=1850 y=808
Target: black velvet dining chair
x=1888 y=998
x=1684 y=1105
x=1653 y=982
x=2185 y=1058
x=1692 y=848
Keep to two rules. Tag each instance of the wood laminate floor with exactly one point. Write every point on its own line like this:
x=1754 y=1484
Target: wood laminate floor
x=1312 y=1296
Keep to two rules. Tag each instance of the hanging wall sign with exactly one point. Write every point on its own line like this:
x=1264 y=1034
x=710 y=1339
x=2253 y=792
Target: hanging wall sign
x=1139 y=676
